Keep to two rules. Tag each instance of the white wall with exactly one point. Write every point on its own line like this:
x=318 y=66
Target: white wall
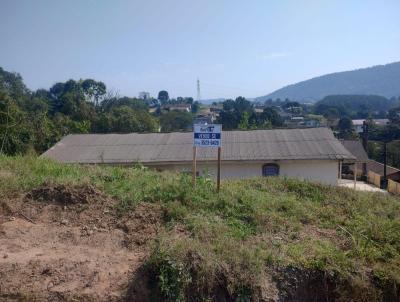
x=323 y=171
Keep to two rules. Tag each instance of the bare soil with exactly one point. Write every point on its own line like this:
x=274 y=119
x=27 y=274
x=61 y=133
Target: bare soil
x=61 y=243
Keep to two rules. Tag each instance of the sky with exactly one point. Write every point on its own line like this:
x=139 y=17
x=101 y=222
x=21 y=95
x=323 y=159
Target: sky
x=248 y=48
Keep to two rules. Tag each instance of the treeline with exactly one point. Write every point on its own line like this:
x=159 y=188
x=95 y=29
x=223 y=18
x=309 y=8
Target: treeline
x=241 y=114
x=338 y=106
x=35 y=120
x=355 y=106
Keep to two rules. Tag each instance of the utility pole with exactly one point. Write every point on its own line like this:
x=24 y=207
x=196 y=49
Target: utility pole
x=365 y=136
x=365 y=145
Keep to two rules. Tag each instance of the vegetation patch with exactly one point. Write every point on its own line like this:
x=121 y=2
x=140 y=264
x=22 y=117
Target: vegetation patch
x=65 y=194
x=263 y=239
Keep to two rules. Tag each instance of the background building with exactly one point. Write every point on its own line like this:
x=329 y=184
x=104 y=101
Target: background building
x=144 y=95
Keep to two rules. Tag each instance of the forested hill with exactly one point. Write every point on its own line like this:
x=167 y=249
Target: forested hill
x=381 y=80
x=361 y=105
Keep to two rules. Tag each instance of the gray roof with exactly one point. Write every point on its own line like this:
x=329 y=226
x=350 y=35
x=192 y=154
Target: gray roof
x=356 y=148
x=255 y=145
x=377 y=167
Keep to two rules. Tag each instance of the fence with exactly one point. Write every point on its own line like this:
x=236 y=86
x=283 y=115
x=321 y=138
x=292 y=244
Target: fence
x=393 y=187
x=374 y=178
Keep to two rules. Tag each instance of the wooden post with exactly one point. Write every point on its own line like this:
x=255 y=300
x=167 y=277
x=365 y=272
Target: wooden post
x=340 y=169
x=384 y=183
x=355 y=175
x=219 y=169
x=194 y=167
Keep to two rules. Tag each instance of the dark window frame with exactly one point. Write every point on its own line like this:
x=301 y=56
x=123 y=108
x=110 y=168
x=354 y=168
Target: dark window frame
x=263 y=170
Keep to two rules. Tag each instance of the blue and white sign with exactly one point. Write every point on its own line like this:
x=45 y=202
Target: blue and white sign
x=207 y=135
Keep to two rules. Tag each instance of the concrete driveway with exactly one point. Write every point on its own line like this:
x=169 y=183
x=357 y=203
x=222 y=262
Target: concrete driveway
x=360 y=186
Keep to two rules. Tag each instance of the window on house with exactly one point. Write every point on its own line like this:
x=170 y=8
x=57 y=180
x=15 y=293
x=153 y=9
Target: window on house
x=270 y=170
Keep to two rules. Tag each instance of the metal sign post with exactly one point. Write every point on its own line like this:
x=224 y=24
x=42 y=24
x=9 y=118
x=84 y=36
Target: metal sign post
x=219 y=169
x=207 y=136
x=194 y=168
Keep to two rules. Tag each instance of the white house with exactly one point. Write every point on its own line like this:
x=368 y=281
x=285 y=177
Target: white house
x=312 y=153
x=178 y=107
x=144 y=95
x=358 y=124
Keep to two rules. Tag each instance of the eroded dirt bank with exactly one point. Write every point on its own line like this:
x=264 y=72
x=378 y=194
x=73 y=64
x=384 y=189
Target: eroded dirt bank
x=69 y=244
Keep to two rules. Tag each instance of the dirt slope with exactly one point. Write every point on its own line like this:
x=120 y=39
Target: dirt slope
x=68 y=244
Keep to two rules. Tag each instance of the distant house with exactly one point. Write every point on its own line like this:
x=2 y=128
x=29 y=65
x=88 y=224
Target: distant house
x=297 y=118
x=358 y=124
x=285 y=116
x=295 y=122
x=312 y=154
x=215 y=110
x=364 y=164
x=204 y=119
x=144 y=95
x=259 y=108
x=294 y=110
x=178 y=107
x=391 y=172
x=312 y=123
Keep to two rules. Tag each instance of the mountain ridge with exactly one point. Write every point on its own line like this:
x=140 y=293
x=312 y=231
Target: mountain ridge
x=383 y=80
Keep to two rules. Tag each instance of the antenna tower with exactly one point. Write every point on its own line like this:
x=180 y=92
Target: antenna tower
x=198 y=90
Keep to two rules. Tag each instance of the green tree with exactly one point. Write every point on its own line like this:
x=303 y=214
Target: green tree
x=64 y=125
x=228 y=119
x=195 y=107
x=394 y=115
x=176 y=121
x=12 y=84
x=345 y=127
x=123 y=119
x=40 y=123
x=232 y=112
x=93 y=90
x=133 y=103
x=69 y=99
x=15 y=134
x=272 y=117
x=44 y=134
x=244 y=121
x=163 y=96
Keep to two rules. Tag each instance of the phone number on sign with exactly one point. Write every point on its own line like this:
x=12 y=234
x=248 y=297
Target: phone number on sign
x=205 y=142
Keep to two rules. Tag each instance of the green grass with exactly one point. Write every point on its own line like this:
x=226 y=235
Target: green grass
x=252 y=227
